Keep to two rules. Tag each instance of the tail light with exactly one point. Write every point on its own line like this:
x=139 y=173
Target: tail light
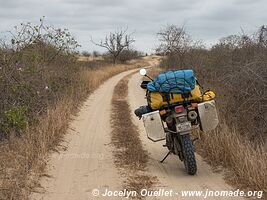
x=179 y=109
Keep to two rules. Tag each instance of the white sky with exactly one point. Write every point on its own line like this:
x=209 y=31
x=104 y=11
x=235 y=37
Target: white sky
x=208 y=20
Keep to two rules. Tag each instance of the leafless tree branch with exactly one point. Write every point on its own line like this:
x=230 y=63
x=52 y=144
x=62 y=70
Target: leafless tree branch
x=116 y=42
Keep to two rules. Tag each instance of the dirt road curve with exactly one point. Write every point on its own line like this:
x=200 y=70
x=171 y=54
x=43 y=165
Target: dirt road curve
x=87 y=163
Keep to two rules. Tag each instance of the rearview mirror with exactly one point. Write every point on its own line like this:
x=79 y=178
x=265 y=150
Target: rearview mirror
x=142 y=72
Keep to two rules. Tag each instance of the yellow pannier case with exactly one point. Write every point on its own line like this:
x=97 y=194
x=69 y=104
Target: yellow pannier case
x=156 y=100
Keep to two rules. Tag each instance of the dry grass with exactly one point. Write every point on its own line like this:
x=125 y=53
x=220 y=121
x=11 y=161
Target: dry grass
x=155 y=71
x=23 y=159
x=129 y=152
x=246 y=164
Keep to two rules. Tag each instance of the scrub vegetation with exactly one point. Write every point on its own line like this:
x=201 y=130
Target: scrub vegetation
x=235 y=68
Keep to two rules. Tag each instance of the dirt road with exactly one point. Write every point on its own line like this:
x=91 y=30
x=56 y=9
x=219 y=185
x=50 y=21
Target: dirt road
x=87 y=164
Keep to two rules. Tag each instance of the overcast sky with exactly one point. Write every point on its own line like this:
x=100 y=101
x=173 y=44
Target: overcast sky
x=208 y=20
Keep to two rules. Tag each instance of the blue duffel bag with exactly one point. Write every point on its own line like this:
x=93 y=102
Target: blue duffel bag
x=177 y=82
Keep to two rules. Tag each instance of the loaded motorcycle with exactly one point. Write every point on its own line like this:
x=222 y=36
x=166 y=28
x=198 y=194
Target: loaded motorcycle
x=173 y=113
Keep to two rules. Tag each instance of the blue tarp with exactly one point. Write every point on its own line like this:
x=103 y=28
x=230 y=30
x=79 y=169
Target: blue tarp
x=178 y=82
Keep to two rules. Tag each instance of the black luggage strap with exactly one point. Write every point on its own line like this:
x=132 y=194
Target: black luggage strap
x=186 y=96
x=165 y=97
x=199 y=84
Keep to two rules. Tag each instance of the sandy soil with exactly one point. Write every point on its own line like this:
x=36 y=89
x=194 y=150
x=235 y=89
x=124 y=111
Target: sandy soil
x=87 y=163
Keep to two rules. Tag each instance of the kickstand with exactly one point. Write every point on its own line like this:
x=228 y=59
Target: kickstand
x=165 y=157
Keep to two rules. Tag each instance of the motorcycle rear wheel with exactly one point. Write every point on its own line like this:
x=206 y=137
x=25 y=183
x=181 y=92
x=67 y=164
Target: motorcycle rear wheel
x=189 y=155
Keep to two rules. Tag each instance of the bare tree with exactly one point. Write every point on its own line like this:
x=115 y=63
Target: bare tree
x=230 y=42
x=116 y=42
x=262 y=35
x=174 y=41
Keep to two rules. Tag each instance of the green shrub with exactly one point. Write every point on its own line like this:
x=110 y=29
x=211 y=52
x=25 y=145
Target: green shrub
x=15 y=120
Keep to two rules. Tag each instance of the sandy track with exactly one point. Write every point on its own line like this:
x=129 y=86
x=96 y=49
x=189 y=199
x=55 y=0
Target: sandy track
x=171 y=173
x=87 y=163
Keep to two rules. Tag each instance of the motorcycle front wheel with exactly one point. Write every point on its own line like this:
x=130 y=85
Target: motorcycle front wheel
x=189 y=155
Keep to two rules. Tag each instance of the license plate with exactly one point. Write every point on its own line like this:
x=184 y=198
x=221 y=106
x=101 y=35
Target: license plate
x=182 y=127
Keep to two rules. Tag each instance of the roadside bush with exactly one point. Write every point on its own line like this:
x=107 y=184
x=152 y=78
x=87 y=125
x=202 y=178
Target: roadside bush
x=14 y=120
x=37 y=65
x=124 y=56
x=129 y=54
